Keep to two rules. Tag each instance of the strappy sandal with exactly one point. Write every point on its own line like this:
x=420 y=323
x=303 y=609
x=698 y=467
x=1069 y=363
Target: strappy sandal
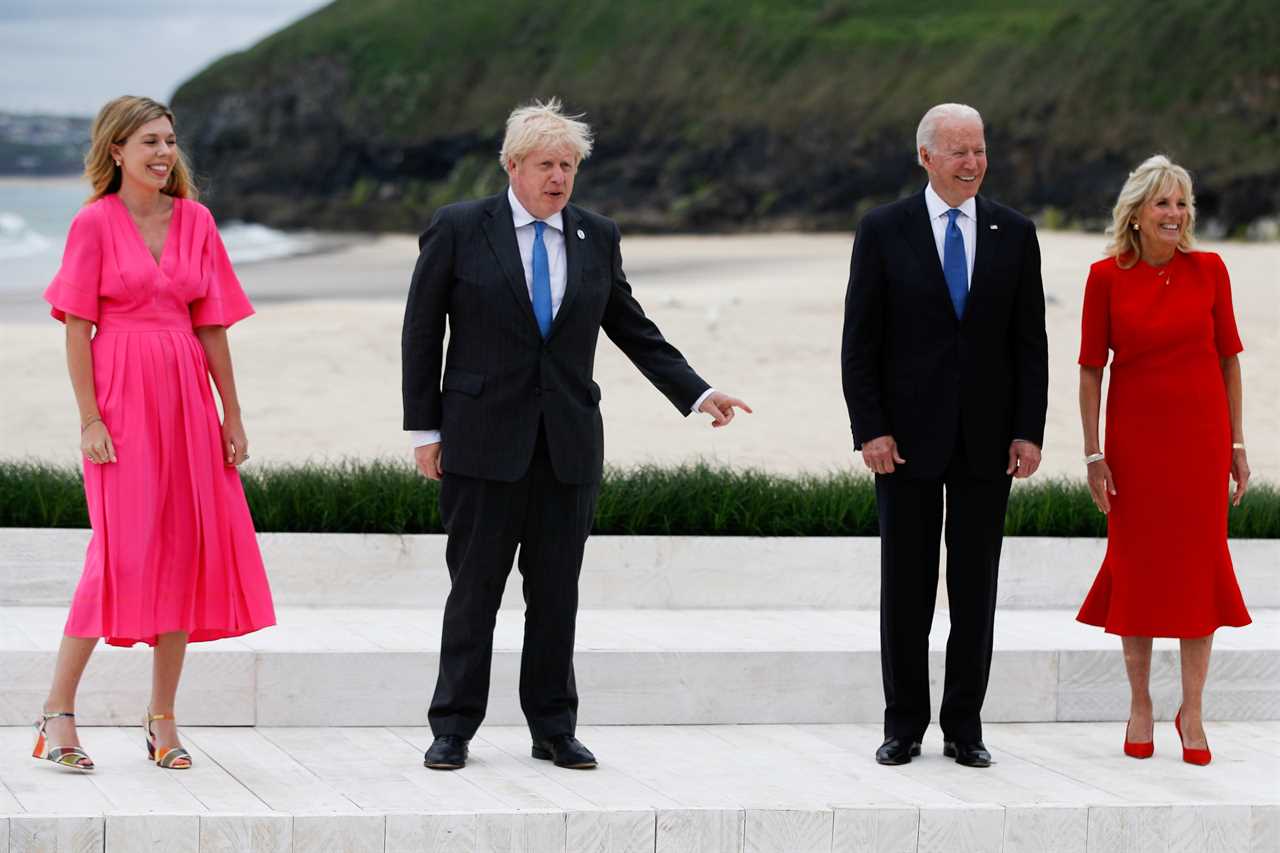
x=174 y=758
x=70 y=757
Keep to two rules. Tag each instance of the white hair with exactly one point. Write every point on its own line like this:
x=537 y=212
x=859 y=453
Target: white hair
x=927 y=131
x=544 y=125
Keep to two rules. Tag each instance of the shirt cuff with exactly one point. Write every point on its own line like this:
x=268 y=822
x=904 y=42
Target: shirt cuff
x=423 y=437
x=705 y=394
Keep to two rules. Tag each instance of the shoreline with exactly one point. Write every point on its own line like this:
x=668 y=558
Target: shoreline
x=759 y=317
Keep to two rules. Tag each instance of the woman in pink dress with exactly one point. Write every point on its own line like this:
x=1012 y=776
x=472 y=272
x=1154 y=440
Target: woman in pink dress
x=173 y=558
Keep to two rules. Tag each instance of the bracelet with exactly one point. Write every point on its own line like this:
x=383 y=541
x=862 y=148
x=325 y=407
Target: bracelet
x=1236 y=445
x=1093 y=457
x=91 y=422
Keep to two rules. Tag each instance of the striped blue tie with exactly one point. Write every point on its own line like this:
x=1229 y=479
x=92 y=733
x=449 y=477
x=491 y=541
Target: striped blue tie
x=955 y=268
x=542 y=281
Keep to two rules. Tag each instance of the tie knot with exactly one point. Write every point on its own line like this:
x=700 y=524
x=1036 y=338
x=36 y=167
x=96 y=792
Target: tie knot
x=538 y=227
x=952 y=214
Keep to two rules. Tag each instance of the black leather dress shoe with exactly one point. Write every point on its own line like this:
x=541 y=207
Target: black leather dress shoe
x=447 y=752
x=972 y=754
x=565 y=751
x=896 y=750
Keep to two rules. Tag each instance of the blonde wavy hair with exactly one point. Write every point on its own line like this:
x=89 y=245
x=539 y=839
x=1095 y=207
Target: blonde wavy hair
x=1156 y=176
x=115 y=123
x=544 y=125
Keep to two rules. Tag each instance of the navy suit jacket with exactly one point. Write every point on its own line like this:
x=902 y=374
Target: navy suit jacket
x=912 y=370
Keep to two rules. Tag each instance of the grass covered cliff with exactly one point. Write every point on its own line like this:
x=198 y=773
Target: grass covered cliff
x=737 y=114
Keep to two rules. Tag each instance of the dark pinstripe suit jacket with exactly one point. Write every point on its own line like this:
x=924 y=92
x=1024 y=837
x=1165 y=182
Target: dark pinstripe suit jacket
x=500 y=377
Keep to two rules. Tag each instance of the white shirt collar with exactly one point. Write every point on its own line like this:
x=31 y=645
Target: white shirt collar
x=522 y=217
x=938 y=207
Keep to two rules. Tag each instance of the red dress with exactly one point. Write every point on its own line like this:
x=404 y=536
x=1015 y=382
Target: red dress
x=1167 y=572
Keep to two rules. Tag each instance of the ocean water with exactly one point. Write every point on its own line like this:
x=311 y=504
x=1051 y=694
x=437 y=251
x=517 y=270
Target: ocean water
x=35 y=215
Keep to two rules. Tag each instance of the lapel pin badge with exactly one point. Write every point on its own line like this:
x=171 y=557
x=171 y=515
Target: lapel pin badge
x=995 y=227
x=581 y=236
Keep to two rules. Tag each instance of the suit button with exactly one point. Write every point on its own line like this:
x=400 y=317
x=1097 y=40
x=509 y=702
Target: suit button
x=537 y=390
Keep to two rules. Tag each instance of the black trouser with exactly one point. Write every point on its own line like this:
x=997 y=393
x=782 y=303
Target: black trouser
x=485 y=521
x=910 y=524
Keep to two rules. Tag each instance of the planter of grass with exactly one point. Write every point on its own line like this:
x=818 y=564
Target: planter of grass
x=691 y=500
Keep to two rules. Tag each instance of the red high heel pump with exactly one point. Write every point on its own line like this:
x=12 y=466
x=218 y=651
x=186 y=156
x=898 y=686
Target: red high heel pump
x=1191 y=756
x=1134 y=749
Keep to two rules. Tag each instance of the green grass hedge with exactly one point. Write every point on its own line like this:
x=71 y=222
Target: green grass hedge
x=389 y=497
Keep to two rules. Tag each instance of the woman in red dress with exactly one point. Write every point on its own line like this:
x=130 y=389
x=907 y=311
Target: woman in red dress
x=1173 y=436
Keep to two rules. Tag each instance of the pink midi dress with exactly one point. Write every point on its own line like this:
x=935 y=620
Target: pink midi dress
x=173 y=545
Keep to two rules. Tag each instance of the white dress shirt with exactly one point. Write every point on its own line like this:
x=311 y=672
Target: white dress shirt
x=553 y=239
x=967 y=222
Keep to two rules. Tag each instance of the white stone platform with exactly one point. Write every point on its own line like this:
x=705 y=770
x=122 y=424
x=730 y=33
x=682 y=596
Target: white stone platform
x=377 y=666
x=1055 y=788
x=41 y=567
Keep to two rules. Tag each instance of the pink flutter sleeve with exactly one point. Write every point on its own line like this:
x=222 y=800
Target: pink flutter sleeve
x=74 y=290
x=224 y=301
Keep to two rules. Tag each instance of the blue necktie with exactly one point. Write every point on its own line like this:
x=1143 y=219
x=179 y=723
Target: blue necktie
x=542 y=280
x=954 y=266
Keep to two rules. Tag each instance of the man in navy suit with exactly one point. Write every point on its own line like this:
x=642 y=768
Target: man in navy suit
x=945 y=369
x=526 y=282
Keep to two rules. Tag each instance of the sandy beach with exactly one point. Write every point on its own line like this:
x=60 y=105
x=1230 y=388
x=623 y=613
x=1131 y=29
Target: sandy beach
x=758 y=316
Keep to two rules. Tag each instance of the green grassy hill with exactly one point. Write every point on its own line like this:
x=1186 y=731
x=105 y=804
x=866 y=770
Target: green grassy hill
x=729 y=114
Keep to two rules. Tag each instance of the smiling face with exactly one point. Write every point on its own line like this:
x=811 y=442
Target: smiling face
x=1161 y=221
x=148 y=156
x=957 y=162
x=543 y=179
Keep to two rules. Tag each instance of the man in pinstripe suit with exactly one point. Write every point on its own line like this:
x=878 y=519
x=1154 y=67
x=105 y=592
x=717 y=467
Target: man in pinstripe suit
x=513 y=428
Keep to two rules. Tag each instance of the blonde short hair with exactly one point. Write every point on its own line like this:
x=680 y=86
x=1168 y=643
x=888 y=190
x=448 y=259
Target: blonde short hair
x=116 y=122
x=544 y=125
x=927 y=130
x=1156 y=176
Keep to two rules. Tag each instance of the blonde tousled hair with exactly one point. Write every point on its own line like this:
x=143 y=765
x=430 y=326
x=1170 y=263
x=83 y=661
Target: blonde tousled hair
x=115 y=123
x=1155 y=176
x=544 y=125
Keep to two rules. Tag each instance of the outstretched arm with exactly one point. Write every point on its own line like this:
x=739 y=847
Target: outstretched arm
x=662 y=364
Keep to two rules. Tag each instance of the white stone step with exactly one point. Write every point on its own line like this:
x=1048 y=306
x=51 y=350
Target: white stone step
x=41 y=567
x=1054 y=788
x=353 y=667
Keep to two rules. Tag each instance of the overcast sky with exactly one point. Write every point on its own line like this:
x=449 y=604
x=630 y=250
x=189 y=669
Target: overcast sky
x=69 y=57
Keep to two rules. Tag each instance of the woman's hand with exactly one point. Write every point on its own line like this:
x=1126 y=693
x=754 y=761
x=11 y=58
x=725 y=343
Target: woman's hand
x=1101 y=484
x=95 y=443
x=1239 y=473
x=235 y=445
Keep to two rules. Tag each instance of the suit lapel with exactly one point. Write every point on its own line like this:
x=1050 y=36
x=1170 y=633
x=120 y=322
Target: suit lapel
x=573 y=251
x=919 y=234
x=988 y=228
x=500 y=230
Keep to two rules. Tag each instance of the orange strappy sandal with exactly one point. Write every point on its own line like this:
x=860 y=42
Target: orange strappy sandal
x=174 y=758
x=71 y=757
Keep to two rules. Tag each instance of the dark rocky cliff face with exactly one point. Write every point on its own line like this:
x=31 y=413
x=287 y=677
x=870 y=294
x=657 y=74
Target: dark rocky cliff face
x=368 y=116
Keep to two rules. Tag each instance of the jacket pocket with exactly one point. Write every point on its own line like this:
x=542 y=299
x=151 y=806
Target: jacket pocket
x=463 y=381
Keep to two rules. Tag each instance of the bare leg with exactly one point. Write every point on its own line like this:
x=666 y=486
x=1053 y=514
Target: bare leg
x=73 y=656
x=1137 y=664
x=171 y=650
x=1195 y=670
